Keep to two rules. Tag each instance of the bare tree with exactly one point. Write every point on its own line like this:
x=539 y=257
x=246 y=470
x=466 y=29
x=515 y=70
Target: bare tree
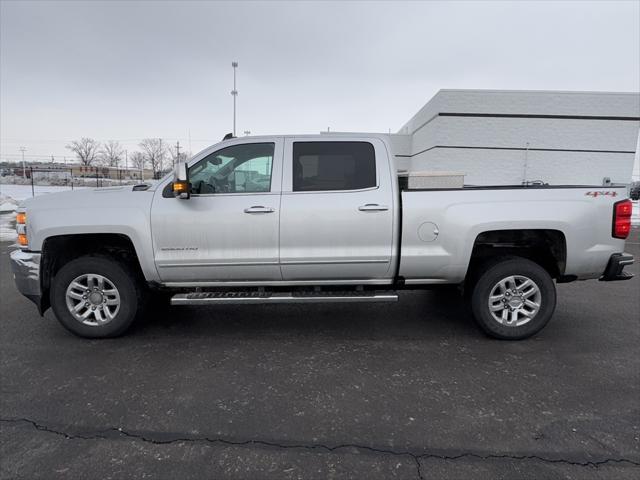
x=177 y=157
x=138 y=160
x=86 y=149
x=154 y=151
x=111 y=153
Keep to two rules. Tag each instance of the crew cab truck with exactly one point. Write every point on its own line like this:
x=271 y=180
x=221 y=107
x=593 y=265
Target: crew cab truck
x=307 y=219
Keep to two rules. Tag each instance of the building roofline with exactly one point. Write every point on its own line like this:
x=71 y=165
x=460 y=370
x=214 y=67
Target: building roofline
x=576 y=92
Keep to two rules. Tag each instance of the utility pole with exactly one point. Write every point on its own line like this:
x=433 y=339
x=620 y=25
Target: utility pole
x=24 y=168
x=177 y=153
x=126 y=163
x=234 y=93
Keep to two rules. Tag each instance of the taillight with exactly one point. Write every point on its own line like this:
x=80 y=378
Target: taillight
x=622 y=219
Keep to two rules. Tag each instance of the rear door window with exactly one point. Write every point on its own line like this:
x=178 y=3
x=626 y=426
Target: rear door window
x=324 y=166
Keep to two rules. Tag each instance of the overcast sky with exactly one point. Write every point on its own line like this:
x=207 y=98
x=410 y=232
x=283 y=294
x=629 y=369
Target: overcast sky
x=128 y=70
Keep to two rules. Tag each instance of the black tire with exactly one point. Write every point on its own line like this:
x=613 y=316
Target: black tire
x=118 y=274
x=489 y=275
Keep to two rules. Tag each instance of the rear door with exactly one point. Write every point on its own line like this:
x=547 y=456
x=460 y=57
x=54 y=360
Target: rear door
x=336 y=219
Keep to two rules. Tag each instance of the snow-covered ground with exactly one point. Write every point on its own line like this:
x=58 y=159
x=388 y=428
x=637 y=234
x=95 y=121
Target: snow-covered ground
x=10 y=197
x=20 y=192
x=7 y=218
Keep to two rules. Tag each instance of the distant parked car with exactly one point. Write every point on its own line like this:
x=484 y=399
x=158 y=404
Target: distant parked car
x=634 y=191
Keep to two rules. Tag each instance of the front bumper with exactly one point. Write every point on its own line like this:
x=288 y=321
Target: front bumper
x=26 y=274
x=615 y=267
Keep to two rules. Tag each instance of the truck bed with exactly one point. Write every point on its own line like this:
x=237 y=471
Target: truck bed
x=440 y=226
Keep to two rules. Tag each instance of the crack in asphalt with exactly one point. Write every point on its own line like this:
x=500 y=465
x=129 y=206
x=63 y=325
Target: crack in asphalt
x=160 y=438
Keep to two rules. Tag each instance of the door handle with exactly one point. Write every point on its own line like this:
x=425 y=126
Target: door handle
x=373 y=207
x=259 y=209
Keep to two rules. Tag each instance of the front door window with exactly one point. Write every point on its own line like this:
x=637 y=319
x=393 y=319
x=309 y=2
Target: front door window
x=237 y=169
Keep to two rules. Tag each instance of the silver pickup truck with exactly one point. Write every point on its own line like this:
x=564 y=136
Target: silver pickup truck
x=305 y=219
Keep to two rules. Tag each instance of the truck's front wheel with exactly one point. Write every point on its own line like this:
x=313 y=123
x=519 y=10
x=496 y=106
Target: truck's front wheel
x=95 y=297
x=513 y=299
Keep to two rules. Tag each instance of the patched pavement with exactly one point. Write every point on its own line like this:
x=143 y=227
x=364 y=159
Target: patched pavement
x=409 y=390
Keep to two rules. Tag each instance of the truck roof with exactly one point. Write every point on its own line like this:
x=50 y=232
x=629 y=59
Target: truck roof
x=322 y=135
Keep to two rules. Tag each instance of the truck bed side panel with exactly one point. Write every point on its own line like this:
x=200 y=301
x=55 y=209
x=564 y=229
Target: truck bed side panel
x=459 y=216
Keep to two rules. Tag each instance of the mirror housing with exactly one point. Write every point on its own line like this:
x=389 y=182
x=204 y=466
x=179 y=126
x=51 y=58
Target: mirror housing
x=180 y=186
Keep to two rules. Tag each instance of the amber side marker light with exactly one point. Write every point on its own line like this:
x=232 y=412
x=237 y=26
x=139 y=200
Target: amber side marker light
x=21 y=218
x=179 y=187
x=22 y=240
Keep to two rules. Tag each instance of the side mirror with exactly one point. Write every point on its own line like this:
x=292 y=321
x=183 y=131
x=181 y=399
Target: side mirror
x=180 y=186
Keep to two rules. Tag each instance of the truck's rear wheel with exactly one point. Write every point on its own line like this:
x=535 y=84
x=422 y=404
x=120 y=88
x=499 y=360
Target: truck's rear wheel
x=513 y=299
x=95 y=297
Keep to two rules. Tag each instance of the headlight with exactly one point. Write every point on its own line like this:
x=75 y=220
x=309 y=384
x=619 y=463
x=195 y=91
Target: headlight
x=21 y=228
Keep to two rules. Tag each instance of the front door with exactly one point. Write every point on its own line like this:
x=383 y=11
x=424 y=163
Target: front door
x=229 y=229
x=337 y=212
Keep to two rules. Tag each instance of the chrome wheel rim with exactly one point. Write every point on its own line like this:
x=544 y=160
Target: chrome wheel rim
x=515 y=301
x=93 y=299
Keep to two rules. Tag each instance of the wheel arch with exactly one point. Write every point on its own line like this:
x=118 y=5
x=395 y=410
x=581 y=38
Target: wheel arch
x=60 y=249
x=546 y=247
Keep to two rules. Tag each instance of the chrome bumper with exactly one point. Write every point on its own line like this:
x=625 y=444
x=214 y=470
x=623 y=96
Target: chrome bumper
x=26 y=274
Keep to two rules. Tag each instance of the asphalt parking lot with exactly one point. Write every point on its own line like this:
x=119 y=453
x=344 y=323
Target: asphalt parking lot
x=409 y=390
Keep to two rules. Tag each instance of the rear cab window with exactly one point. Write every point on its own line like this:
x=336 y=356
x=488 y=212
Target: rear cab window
x=331 y=166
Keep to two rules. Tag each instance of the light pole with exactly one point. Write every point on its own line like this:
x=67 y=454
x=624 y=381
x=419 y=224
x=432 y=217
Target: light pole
x=234 y=93
x=24 y=169
x=526 y=161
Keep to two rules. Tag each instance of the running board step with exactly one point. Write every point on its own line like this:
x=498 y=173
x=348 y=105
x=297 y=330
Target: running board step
x=202 y=298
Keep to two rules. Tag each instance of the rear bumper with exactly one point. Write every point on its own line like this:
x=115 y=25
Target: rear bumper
x=615 y=267
x=26 y=274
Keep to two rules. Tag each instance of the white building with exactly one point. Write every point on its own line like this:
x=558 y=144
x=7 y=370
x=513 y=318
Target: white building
x=500 y=137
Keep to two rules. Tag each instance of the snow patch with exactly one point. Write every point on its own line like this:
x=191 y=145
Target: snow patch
x=7 y=206
x=7 y=219
x=22 y=192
